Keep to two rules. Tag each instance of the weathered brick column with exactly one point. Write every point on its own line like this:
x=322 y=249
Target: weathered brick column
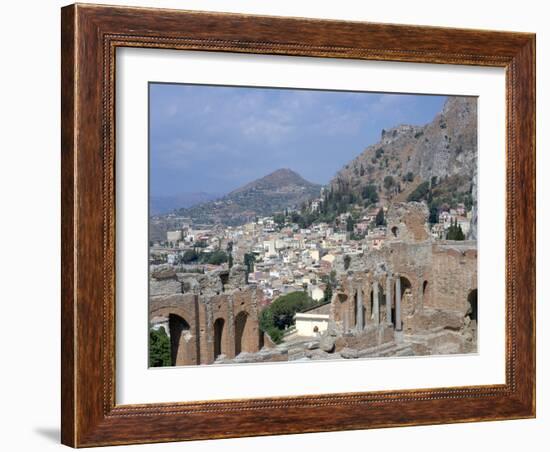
x=376 y=303
x=388 y=298
x=359 y=309
x=397 y=303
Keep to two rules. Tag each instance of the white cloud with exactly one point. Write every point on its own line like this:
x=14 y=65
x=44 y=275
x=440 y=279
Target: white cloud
x=181 y=154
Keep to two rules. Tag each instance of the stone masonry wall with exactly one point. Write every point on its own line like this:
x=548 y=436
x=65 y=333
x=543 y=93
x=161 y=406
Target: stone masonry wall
x=434 y=279
x=216 y=314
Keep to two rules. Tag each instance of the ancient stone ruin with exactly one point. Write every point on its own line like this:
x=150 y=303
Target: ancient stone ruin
x=412 y=291
x=413 y=296
x=207 y=316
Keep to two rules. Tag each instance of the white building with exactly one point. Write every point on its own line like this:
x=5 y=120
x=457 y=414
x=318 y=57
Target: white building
x=313 y=322
x=445 y=217
x=174 y=236
x=269 y=248
x=316 y=293
x=464 y=224
x=314 y=255
x=310 y=325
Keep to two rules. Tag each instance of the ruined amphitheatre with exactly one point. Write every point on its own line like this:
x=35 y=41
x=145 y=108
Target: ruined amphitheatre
x=412 y=297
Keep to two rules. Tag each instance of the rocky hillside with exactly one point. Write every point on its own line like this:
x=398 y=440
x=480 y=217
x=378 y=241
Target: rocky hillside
x=442 y=153
x=277 y=191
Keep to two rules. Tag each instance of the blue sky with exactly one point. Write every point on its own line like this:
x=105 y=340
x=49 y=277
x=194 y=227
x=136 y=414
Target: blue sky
x=214 y=139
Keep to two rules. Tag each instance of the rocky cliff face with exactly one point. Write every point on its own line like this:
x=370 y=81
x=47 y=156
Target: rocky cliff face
x=445 y=148
x=449 y=146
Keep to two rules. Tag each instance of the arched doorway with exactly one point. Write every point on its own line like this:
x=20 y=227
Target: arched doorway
x=472 y=302
x=405 y=285
x=241 y=332
x=219 y=345
x=407 y=305
x=342 y=311
x=180 y=336
x=425 y=293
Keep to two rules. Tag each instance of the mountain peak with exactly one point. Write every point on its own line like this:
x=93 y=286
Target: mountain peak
x=283 y=172
x=278 y=179
x=274 y=192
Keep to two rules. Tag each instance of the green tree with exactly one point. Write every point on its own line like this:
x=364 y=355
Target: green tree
x=159 y=348
x=468 y=201
x=350 y=224
x=347 y=262
x=280 y=314
x=409 y=177
x=389 y=182
x=455 y=232
x=229 y=254
x=328 y=292
x=420 y=192
x=370 y=194
x=279 y=219
x=434 y=217
x=217 y=257
x=275 y=334
x=190 y=256
x=380 y=220
x=249 y=260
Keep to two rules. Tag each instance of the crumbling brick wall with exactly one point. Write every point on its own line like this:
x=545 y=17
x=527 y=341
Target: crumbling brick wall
x=222 y=316
x=435 y=278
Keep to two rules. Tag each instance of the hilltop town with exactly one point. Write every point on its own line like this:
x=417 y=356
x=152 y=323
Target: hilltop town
x=283 y=256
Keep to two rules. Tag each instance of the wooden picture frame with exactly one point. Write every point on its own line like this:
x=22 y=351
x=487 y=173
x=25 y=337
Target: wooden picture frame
x=90 y=36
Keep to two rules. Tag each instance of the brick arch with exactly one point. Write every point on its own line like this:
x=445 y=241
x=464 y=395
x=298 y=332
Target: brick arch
x=427 y=288
x=406 y=282
x=221 y=337
x=201 y=312
x=165 y=311
x=245 y=339
x=472 y=311
x=184 y=338
x=181 y=341
x=408 y=294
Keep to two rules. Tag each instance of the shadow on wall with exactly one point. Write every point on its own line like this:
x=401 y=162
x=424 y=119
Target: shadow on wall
x=52 y=434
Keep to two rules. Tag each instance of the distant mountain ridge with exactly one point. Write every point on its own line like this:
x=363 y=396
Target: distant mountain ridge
x=281 y=189
x=159 y=205
x=442 y=153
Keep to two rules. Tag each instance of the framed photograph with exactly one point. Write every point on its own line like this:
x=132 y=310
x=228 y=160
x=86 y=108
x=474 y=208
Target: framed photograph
x=281 y=225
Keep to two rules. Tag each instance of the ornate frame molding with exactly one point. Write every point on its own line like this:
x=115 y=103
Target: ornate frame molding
x=90 y=36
